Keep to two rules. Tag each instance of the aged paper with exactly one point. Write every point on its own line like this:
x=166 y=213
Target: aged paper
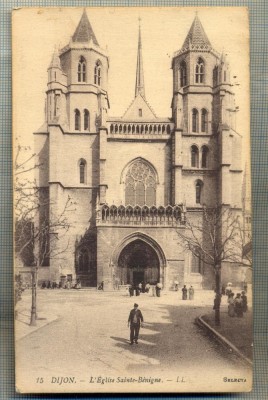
x=133 y=268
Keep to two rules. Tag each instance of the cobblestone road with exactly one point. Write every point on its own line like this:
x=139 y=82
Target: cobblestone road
x=87 y=347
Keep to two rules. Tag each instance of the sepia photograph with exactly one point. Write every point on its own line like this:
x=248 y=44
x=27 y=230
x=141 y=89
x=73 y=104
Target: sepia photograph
x=132 y=200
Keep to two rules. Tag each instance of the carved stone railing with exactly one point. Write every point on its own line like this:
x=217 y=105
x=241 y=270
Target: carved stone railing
x=150 y=128
x=137 y=215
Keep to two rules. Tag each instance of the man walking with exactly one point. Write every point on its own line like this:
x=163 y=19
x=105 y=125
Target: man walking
x=135 y=321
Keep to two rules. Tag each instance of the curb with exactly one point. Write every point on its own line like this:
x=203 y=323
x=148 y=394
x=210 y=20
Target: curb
x=34 y=328
x=223 y=340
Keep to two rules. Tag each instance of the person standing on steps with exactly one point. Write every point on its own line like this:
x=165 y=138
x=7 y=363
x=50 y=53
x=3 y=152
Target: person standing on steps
x=135 y=321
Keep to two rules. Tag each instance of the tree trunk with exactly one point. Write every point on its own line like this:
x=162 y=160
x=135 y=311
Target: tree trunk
x=33 y=309
x=217 y=301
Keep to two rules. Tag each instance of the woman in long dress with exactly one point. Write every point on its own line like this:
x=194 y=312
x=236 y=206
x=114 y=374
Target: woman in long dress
x=238 y=305
x=184 y=293
x=231 y=306
x=191 y=293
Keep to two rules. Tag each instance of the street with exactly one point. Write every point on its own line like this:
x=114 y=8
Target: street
x=86 y=346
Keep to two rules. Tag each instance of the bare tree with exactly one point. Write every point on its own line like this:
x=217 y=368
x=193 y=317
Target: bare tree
x=37 y=228
x=214 y=239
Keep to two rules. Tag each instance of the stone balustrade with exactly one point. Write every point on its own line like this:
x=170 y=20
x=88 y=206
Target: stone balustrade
x=137 y=215
x=123 y=128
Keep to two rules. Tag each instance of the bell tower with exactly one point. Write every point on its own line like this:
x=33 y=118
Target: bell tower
x=86 y=66
x=192 y=81
x=205 y=143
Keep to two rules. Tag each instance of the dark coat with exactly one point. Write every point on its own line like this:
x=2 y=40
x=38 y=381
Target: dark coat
x=139 y=316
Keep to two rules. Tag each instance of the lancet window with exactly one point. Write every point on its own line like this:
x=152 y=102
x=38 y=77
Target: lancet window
x=81 y=72
x=198 y=191
x=204 y=159
x=97 y=73
x=183 y=74
x=195 y=125
x=82 y=171
x=86 y=120
x=194 y=157
x=204 y=120
x=77 y=120
x=200 y=71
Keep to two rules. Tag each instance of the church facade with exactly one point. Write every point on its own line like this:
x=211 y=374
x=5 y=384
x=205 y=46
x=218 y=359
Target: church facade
x=136 y=179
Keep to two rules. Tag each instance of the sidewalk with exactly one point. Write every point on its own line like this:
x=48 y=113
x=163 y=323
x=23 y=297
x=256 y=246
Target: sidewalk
x=237 y=331
x=22 y=321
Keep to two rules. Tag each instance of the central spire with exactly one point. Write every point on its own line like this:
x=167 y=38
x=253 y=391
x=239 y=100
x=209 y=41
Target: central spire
x=139 y=88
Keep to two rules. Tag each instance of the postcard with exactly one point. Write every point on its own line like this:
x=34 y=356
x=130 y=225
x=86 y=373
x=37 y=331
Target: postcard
x=132 y=200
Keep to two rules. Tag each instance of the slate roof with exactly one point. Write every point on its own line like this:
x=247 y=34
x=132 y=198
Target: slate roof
x=196 y=36
x=84 y=32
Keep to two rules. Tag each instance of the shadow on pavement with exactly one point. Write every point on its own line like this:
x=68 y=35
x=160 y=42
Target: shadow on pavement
x=176 y=342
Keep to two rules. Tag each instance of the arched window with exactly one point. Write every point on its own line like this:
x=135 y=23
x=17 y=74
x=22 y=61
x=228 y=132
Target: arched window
x=81 y=71
x=195 y=125
x=194 y=157
x=199 y=71
x=196 y=267
x=204 y=159
x=140 y=184
x=83 y=261
x=183 y=74
x=198 y=191
x=86 y=120
x=82 y=171
x=215 y=76
x=77 y=120
x=97 y=73
x=204 y=120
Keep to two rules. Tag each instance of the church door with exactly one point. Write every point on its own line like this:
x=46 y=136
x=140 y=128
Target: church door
x=138 y=263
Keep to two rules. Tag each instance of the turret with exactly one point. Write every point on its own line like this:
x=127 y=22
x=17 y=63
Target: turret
x=192 y=79
x=56 y=102
x=86 y=67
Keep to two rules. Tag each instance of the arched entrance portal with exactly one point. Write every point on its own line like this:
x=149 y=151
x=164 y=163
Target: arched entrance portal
x=138 y=262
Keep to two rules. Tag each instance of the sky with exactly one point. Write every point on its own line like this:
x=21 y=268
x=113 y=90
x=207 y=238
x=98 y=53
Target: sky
x=36 y=32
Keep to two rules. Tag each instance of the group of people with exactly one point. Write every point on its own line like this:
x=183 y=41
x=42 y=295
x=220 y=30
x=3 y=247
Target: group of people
x=186 y=291
x=154 y=289
x=237 y=305
x=68 y=284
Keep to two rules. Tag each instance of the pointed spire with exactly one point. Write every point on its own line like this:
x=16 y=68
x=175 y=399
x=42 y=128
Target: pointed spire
x=55 y=61
x=84 y=31
x=139 y=88
x=196 y=36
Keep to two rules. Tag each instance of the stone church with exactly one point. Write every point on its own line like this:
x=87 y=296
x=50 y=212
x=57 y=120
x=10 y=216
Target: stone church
x=136 y=179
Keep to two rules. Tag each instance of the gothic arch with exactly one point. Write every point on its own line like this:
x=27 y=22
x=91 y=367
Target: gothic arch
x=82 y=170
x=81 y=69
x=199 y=187
x=194 y=156
x=200 y=70
x=146 y=239
x=128 y=165
x=204 y=115
x=98 y=73
x=204 y=156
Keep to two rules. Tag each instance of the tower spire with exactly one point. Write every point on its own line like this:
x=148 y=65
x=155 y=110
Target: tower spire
x=139 y=88
x=84 y=32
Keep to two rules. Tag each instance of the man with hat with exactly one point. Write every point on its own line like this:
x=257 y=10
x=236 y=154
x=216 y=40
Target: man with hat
x=135 y=321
